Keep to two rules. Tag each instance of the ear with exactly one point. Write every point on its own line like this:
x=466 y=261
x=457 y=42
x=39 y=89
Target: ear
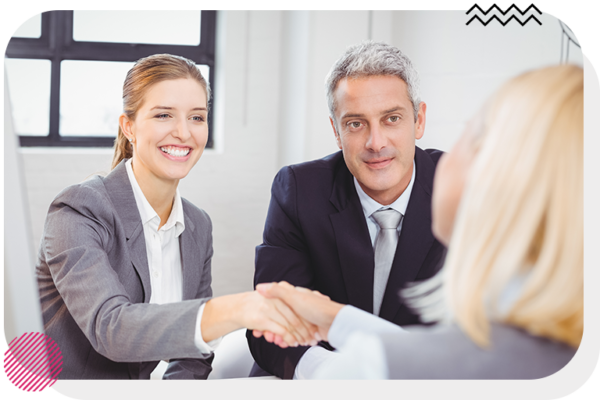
x=337 y=136
x=420 y=123
x=126 y=126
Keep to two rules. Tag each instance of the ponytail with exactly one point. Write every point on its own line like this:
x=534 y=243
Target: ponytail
x=122 y=148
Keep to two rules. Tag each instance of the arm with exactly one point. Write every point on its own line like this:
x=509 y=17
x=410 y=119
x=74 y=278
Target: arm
x=87 y=255
x=80 y=233
x=354 y=332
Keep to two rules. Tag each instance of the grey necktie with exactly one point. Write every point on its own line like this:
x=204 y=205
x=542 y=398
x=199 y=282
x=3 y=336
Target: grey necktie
x=385 y=248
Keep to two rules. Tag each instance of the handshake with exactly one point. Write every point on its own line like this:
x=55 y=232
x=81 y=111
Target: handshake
x=290 y=316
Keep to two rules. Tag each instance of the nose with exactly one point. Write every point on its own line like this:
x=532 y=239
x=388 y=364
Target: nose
x=181 y=130
x=377 y=139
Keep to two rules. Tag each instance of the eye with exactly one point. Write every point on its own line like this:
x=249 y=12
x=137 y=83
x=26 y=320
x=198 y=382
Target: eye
x=198 y=118
x=354 y=124
x=161 y=116
x=394 y=118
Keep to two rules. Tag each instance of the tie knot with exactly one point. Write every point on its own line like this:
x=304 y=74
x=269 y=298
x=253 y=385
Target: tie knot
x=387 y=219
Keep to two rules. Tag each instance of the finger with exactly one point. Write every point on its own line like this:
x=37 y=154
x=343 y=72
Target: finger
x=269 y=336
x=278 y=340
x=263 y=289
x=303 y=289
x=302 y=331
x=321 y=295
x=278 y=334
x=285 y=285
x=256 y=333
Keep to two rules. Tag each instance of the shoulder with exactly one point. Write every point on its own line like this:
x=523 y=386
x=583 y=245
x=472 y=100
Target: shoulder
x=312 y=172
x=427 y=158
x=434 y=154
x=87 y=197
x=79 y=208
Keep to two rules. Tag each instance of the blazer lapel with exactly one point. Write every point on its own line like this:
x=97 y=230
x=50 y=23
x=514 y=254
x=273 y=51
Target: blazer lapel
x=189 y=253
x=353 y=241
x=121 y=194
x=415 y=237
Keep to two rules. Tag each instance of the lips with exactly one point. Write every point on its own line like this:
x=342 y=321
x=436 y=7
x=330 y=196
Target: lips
x=378 y=163
x=176 y=153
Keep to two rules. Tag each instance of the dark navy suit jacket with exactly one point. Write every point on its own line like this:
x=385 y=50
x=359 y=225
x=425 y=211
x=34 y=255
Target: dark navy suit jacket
x=316 y=236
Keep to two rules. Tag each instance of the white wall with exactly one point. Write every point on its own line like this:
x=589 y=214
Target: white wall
x=256 y=102
x=461 y=65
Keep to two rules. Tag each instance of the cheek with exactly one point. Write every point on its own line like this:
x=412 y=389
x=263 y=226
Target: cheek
x=200 y=135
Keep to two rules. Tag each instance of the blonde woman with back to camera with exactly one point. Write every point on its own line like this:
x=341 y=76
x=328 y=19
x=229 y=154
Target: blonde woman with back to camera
x=124 y=268
x=508 y=203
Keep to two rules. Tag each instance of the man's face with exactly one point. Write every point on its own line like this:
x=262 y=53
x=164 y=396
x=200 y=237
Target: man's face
x=377 y=132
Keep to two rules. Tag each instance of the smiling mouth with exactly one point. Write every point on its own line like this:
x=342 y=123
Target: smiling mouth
x=175 y=151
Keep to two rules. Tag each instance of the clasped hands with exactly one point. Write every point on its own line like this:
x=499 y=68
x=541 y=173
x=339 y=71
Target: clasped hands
x=292 y=316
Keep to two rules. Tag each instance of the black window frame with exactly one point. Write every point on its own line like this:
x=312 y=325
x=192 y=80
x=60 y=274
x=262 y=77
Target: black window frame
x=56 y=44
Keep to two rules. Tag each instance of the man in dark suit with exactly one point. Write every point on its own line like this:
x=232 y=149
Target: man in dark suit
x=328 y=226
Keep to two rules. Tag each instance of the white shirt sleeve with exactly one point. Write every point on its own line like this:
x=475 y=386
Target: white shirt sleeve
x=359 y=351
x=205 y=348
x=310 y=361
x=350 y=320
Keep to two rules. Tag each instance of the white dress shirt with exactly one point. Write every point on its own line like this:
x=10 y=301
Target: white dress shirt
x=317 y=356
x=164 y=257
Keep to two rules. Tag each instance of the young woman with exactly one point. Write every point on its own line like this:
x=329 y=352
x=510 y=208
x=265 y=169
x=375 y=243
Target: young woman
x=124 y=268
x=508 y=203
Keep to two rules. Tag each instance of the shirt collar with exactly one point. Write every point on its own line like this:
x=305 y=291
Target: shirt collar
x=369 y=205
x=147 y=213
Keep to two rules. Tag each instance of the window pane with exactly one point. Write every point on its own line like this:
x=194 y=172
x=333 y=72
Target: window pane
x=29 y=90
x=154 y=27
x=32 y=28
x=91 y=97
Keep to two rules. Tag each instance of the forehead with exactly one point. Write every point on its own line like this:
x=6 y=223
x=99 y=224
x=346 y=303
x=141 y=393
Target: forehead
x=174 y=92
x=362 y=94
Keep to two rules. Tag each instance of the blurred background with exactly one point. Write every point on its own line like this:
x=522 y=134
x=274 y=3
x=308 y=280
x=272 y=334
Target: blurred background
x=65 y=70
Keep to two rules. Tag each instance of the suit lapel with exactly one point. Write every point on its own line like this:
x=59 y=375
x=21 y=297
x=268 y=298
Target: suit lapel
x=353 y=241
x=121 y=194
x=415 y=237
x=189 y=258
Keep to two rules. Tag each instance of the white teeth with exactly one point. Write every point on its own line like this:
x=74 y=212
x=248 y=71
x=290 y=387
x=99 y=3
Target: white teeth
x=175 y=152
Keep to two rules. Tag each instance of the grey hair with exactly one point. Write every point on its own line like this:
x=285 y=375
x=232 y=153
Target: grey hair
x=373 y=58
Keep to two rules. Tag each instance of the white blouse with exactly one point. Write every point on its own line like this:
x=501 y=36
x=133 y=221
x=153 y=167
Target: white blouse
x=164 y=257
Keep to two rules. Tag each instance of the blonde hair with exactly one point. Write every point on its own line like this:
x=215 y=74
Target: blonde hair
x=520 y=218
x=145 y=73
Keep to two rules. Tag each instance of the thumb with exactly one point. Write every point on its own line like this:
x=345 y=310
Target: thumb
x=264 y=289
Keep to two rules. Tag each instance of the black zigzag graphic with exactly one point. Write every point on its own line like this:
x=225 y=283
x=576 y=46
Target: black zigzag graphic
x=504 y=12
x=504 y=23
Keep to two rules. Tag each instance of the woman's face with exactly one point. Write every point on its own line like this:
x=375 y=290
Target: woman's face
x=449 y=182
x=170 y=129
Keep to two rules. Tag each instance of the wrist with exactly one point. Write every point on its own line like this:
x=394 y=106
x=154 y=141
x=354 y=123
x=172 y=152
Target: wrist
x=221 y=316
x=331 y=312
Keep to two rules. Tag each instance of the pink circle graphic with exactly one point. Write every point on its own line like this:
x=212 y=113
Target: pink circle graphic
x=32 y=361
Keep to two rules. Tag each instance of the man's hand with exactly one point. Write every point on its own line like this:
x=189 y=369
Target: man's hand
x=309 y=305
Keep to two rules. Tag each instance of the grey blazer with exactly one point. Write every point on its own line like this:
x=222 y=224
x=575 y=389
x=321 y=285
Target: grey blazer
x=94 y=286
x=445 y=352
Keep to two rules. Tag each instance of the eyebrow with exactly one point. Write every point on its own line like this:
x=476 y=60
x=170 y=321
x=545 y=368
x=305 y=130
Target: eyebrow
x=171 y=108
x=358 y=115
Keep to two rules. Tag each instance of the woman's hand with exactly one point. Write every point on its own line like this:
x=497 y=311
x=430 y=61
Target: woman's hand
x=309 y=305
x=262 y=314
x=255 y=312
